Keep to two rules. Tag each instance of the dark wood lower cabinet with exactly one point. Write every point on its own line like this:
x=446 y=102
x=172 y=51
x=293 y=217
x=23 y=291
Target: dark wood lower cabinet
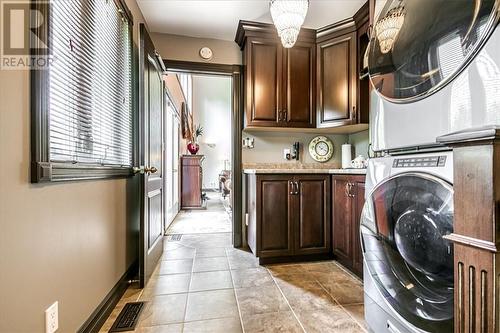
x=348 y=200
x=288 y=215
x=191 y=181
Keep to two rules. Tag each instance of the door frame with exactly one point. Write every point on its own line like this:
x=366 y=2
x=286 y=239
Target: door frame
x=235 y=72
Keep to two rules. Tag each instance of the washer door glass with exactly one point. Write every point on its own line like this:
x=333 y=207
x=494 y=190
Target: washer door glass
x=403 y=225
x=418 y=46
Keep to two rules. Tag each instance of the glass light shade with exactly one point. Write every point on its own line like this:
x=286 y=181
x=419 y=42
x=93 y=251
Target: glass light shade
x=288 y=16
x=387 y=28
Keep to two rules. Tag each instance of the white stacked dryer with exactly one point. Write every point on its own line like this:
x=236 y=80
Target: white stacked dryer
x=435 y=69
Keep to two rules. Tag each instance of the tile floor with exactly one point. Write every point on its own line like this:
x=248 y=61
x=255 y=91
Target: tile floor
x=202 y=284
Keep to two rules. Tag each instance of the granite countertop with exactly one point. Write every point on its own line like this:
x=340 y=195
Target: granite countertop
x=298 y=168
x=306 y=171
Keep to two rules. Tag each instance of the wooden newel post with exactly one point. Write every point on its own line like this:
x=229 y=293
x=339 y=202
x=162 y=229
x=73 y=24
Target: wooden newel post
x=476 y=236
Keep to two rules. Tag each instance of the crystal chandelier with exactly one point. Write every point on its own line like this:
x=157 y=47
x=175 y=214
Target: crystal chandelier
x=388 y=27
x=288 y=16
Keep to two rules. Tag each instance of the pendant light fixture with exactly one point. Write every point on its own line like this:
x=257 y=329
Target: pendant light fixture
x=388 y=27
x=288 y=16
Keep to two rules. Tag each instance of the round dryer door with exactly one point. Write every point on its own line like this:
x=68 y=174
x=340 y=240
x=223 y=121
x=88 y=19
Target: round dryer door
x=402 y=227
x=418 y=46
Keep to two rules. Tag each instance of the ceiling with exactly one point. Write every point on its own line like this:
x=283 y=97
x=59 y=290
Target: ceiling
x=219 y=19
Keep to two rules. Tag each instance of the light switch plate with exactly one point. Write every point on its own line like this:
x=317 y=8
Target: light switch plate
x=52 y=318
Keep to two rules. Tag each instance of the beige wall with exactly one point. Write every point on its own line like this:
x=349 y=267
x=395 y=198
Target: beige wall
x=269 y=148
x=59 y=242
x=174 y=47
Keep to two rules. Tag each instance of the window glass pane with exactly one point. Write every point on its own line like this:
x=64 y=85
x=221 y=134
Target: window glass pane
x=90 y=115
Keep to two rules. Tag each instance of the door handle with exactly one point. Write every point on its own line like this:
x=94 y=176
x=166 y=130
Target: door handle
x=150 y=170
x=139 y=169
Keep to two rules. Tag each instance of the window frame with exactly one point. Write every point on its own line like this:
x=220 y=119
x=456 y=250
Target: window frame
x=42 y=169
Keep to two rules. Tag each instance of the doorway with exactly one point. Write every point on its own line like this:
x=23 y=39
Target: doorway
x=226 y=169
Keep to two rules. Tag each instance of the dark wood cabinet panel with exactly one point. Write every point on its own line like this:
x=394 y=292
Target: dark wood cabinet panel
x=289 y=216
x=191 y=181
x=263 y=82
x=300 y=86
x=342 y=216
x=337 y=81
x=312 y=214
x=357 y=252
x=274 y=208
x=348 y=200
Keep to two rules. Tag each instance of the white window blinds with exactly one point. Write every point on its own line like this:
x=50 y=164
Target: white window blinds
x=90 y=84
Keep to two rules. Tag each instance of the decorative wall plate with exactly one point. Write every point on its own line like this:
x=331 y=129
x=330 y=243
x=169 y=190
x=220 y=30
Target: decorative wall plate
x=206 y=53
x=321 y=149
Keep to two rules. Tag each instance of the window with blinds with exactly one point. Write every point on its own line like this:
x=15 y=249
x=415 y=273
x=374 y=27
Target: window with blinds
x=90 y=84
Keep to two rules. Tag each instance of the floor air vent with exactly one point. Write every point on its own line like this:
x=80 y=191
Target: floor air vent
x=128 y=317
x=175 y=237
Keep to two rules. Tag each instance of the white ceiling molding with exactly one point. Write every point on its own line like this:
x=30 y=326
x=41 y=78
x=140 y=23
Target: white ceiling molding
x=219 y=18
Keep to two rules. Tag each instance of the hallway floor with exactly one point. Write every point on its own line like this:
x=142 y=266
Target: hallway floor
x=203 y=284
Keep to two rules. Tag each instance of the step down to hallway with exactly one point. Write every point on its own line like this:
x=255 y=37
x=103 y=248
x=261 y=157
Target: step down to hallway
x=128 y=317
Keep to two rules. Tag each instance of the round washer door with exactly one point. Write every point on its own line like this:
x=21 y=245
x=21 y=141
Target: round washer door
x=418 y=46
x=402 y=228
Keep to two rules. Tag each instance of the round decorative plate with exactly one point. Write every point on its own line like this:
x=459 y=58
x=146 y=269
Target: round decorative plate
x=321 y=149
x=206 y=53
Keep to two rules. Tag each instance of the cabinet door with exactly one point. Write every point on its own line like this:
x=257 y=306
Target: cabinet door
x=342 y=217
x=264 y=75
x=299 y=86
x=336 y=76
x=274 y=216
x=312 y=214
x=358 y=202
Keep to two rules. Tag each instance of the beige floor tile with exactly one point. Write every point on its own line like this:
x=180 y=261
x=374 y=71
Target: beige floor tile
x=209 y=252
x=212 y=304
x=172 y=328
x=175 y=266
x=179 y=253
x=251 y=277
x=345 y=292
x=164 y=309
x=334 y=320
x=306 y=296
x=263 y=299
x=201 y=281
x=273 y=322
x=239 y=261
x=225 y=325
x=167 y=284
x=358 y=313
x=210 y=264
x=286 y=269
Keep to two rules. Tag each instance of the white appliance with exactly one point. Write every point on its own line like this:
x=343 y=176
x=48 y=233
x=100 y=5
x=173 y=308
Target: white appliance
x=408 y=265
x=435 y=66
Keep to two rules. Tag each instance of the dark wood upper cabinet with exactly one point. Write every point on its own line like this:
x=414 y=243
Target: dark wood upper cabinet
x=279 y=82
x=312 y=217
x=299 y=105
x=337 y=81
x=264 y=80
x=348 y=200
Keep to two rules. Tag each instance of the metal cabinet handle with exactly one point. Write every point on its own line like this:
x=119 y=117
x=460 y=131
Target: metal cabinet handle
x=296 y=187
x=290 y=183
x=350 y=190
x=285 y=114
x=280 y=115
x=346 y=189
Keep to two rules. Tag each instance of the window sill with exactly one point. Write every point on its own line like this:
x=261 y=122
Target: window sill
x=43 y=172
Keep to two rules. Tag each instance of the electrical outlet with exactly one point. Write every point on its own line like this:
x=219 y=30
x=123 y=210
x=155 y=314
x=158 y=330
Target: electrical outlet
x=286 y=154
x=52 y=318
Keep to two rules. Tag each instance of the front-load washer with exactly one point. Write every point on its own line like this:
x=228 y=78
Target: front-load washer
x=435 y=69
x=408 y=264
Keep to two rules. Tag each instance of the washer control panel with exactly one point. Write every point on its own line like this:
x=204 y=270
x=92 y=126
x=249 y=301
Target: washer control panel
x=424 y=162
